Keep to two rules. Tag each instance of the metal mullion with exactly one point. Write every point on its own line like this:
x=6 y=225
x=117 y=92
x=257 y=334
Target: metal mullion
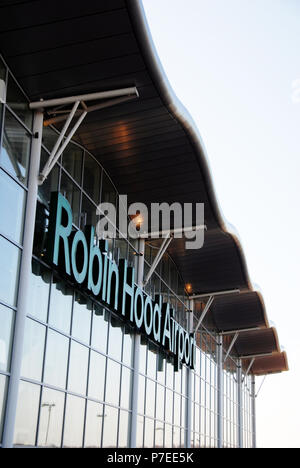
x=88 y=379
x=76 y=340
x=120 y=389
x=11 y=241
x=101 y=183
x=3 y=116
x=42 y=386
x=2 y=303
x=105 y=386
x=67 y=378
x=30 y=132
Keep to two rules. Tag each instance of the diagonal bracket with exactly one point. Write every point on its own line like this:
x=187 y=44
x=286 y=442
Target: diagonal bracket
x=249 y=368
x=204 y=313
x=111 y=98
x=233 y=341
x=167 y=241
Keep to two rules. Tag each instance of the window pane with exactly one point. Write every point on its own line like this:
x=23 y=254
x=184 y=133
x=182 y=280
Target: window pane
x=143 y=357
x=177 y=409
x=82 y=315
x=126 y=388
x=170 y=375
x=72 y=161
x=150 y=398
x=115 y=339
x=178 y=380
x=9 y=271
x=51 y=419
x=93 y=428
x=73 y=433
x=18 y=102
x=50 y=137
x=88 y=213
x=169 y=406
x=3 y=386
x=2 y=71
x=140 y=432
x=141 y=395
x=92 y=178
x=113 y=382
x=149 y=433
x=124 y=429
x=99 y=331
x=12 y=203
x=61 y=306
x=72 y=193
x=109 y=193
x=110 y=427
x=152 y=364
x=6 y=332
x=176 y=437
x=121 y=247
x=39 y=291
x=159 y=434
x=27 y=414
x=33 y=350
x=168 y=436
x=50 y=184
x=56 y=361
x=97 y=376
x=160 y=403
x=15 y=148
x=78 y=368
x=128 y=348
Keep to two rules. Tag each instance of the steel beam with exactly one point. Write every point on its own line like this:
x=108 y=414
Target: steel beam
x=84 y=97
x=242 y=330
x=182 y=230
x=216 y=293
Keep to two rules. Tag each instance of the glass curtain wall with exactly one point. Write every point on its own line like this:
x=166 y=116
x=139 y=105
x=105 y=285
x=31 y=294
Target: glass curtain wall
x=77 y=360
x=15 y=143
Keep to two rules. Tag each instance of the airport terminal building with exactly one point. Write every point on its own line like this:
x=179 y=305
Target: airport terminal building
x=87 y=114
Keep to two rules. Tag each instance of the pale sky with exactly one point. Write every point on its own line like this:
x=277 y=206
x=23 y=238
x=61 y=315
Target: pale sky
x=233 y=64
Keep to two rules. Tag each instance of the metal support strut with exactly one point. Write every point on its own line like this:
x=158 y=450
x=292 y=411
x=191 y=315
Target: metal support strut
x=220 y=384
x=231 y=346
x=24 y=283
x=240 y=402
x=204 y=313
x=253 y=406
x=249 y=368
x=167 y=241
x=137 y=346
x=56 y=106
x=189 y=380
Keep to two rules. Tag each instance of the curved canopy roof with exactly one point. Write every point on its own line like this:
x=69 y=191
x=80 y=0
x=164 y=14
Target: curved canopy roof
x=236 y=312
x=257 y=342
x=150 y=147
x=278 y=362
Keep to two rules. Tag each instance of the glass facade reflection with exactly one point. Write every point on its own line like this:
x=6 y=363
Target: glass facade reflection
x=77 y=364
